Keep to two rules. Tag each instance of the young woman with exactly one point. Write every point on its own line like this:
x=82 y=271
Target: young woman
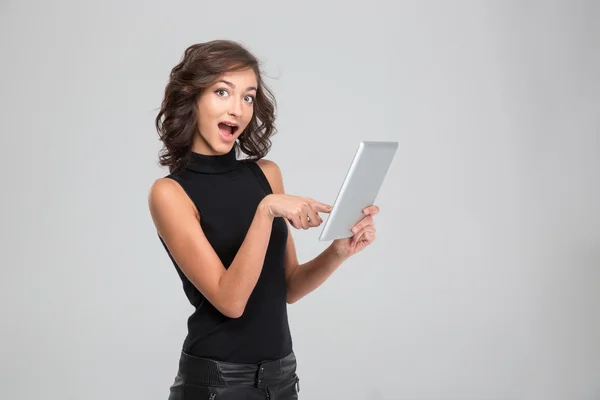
x=224 y=222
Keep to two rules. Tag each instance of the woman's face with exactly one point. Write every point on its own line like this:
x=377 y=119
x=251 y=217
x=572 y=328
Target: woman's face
x=224 y=111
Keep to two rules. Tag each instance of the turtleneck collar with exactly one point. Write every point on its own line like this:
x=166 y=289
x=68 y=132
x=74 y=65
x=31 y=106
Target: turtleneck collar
x=213 y=164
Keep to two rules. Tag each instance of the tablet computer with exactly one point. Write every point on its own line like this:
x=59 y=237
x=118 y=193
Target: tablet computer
x=359 y=189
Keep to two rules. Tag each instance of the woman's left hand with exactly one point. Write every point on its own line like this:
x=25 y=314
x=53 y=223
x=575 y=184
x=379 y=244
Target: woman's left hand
x=364 y=234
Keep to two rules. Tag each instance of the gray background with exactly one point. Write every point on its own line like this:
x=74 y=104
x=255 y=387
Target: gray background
x=484 y=281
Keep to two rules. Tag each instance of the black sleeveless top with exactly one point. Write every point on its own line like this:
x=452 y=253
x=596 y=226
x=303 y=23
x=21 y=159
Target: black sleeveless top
x=226 y=192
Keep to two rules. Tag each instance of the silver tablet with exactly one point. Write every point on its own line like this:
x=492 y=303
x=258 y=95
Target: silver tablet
x=359 y=189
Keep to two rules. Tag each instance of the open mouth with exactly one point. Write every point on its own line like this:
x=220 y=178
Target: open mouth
x=228 y=129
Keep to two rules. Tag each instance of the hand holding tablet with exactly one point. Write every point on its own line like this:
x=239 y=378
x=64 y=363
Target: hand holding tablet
x=360 y=188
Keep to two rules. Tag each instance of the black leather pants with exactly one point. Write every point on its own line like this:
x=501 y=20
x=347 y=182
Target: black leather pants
x=204 y=379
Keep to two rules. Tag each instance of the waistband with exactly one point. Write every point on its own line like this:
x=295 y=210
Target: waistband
x=204 y=371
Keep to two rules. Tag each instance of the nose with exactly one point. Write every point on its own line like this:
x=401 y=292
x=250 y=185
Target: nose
x=235 y=107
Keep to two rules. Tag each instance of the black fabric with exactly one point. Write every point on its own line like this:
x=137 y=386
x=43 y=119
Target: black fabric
x=226 y=192
x=201 y=378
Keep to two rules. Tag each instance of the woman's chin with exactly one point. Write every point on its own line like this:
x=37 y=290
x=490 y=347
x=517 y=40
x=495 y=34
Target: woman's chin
x=223 y=147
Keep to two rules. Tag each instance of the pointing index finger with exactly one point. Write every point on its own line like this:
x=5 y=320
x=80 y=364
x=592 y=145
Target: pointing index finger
x=322 y=207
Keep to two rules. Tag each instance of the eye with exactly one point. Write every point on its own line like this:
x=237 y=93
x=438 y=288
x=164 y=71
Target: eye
x=221 y=92
x=250 y=99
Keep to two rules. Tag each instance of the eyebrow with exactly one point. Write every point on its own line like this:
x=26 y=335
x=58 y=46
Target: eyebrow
x=231 y=85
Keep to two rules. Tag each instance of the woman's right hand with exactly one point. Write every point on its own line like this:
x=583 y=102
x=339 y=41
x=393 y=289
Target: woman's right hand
x=301 y=212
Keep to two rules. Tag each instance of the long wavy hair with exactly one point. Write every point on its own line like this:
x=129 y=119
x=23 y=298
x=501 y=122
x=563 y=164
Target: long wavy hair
x=199 y=68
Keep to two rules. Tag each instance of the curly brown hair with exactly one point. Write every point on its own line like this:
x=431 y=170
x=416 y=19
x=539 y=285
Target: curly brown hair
x=199 y=68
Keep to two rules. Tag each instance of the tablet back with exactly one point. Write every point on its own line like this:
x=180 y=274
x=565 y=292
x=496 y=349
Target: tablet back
x=360 y=188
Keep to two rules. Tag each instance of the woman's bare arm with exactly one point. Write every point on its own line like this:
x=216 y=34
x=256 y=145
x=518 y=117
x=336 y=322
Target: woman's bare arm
x=301 y=279
x=178 y=223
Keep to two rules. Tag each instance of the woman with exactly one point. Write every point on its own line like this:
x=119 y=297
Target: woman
x=224 y=224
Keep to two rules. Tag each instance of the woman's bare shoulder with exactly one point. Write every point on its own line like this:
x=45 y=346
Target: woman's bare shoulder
x=166 y=193
x=273 y=174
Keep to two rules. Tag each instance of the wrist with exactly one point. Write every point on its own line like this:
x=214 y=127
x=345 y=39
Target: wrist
x=337 y=253
x=263 y=207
